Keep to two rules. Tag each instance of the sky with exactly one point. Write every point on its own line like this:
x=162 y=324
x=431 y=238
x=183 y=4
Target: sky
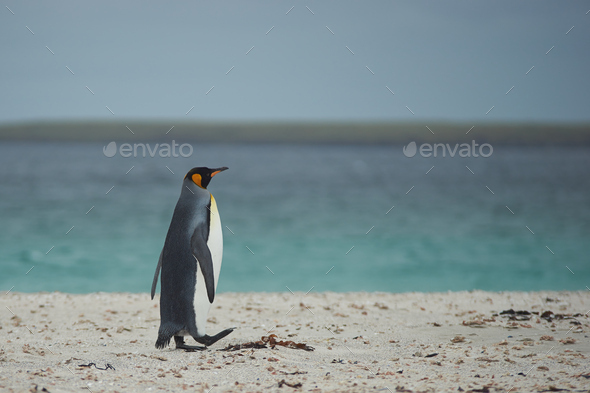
x=295 y=61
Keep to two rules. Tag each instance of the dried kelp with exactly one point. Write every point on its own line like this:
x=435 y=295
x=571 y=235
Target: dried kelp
x=292 y=385
x=106 y=367
x=271 y=341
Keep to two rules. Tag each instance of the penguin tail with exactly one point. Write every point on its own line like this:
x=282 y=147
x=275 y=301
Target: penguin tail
x=162 y=342
x=164 y=335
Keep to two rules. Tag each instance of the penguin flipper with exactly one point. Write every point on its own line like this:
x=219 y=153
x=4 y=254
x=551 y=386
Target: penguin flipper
x=203 y=256
x=155 y=282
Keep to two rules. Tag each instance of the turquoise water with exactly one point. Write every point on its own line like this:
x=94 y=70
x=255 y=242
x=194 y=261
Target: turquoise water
x=304 y=212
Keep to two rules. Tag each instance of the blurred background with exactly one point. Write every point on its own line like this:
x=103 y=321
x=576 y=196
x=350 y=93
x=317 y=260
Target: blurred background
x=310 y=106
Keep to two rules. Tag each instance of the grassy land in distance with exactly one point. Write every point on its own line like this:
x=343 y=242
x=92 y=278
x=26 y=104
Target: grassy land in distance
x=300 y=132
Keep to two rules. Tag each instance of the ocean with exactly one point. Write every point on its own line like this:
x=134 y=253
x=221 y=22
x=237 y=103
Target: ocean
x=300 y=217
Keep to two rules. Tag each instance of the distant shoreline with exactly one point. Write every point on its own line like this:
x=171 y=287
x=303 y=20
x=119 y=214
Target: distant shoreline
x=366 y=133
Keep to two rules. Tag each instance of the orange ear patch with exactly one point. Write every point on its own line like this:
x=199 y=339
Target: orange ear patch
x=197 y=179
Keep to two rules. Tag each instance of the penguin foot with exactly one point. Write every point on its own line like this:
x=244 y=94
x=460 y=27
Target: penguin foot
x=210 y=340
x=179 y=340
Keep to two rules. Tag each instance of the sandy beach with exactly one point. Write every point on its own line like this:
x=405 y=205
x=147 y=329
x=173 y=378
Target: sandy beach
x=460 y=341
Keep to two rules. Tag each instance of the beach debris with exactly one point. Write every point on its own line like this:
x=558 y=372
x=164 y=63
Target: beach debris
x=338 y=361
x=361 y=337
x=527 y=341
x=476 y=323
x=16 y=320
x=293 y=373
x=462 y=313
x=36 y=388
x=106 y=366
x=485 y=389
x=486 y=359
x=271 y=340
x=381 y=306
x=121 y=329
x=458 y=339
x=568 y=340
x=296 y=385
x=158 y=357
x=70 y=360
x=32 y=350
x=43 y=373
x=248 y=345
x=82 y=321
x=554 y=389
x=528 y=355
x=431 y=355
x=519 y=315
x=549 y=316
x=400 y=371
x=337 y=330
x=402 y=389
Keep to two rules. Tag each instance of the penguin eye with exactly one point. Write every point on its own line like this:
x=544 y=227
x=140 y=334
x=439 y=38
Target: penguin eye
x=197 y=179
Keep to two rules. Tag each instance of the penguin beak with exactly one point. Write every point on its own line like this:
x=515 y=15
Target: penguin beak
x=217 y=170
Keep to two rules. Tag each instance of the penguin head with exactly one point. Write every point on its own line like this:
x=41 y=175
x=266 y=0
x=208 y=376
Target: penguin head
x=201 y=176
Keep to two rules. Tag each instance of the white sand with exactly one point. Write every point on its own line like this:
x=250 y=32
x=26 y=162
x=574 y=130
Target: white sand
x=362 y=341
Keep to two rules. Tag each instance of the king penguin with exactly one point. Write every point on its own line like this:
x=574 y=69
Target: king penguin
x=190 y=263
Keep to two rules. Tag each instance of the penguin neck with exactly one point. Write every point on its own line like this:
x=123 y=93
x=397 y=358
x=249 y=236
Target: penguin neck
x=191 y=191
x=192 y=205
